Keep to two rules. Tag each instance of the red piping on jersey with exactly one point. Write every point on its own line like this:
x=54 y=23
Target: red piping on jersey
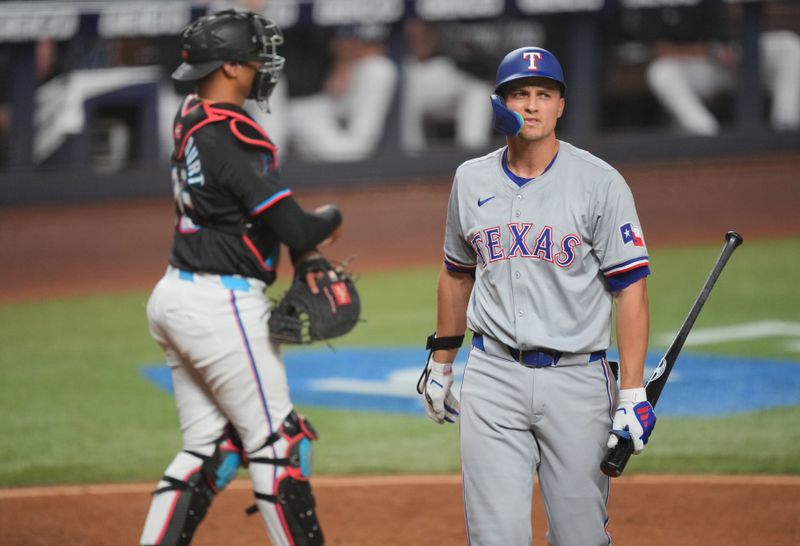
x=185 y=110
x=213 y=117
x=458 y=264
x=235 y=116
x=279 y=510
x=281 y=195
x=250 y=122
x=611 y=405
x=460 y=268
x=258 y=255
x=252 y=141
x=629 y=268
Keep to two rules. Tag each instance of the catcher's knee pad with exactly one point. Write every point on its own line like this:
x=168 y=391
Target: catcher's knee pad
x=199 y=487
x=223 y=465
x=291 y=492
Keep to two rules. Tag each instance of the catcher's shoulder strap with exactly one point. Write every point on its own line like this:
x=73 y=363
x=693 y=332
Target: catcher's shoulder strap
x=196 y=113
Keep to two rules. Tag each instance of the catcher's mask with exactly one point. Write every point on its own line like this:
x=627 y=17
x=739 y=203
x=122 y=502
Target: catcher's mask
x=525 y=62
x=232 y=35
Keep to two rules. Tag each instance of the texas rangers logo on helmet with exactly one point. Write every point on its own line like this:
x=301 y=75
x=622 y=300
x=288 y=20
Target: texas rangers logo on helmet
x=532 y=57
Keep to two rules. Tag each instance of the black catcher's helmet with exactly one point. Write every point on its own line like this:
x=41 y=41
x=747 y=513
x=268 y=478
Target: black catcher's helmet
x=232 y=35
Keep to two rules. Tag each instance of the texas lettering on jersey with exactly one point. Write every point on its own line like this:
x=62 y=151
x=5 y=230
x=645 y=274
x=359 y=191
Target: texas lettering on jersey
x=524 y=244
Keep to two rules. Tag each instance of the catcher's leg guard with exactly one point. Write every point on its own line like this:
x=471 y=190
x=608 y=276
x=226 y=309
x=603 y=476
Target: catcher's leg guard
x=290 y=498
x=180 y=503
x=223 y=465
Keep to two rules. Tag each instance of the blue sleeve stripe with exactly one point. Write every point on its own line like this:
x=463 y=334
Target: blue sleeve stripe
x=624 y=267
x=454 y=267
x=271 y=201
x=622 y=280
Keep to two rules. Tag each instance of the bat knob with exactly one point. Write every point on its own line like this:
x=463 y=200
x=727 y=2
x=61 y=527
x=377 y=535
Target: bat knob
x=610 y=470
x=617 y=457
x=735 y=237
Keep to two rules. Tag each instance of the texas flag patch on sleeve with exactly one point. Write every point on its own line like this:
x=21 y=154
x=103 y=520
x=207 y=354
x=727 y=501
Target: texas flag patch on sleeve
x=631 y=234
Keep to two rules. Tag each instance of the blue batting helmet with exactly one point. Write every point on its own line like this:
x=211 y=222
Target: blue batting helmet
x=529 y=62
x=525 y=62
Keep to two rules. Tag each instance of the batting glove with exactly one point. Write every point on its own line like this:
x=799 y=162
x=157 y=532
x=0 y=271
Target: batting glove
x=440 y=404
x=634 y=419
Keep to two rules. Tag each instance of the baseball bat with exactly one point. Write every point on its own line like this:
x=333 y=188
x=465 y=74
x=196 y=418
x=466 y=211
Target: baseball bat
x=615 y=460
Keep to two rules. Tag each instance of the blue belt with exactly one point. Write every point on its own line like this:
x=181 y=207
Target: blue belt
x=230 y=282
x=535 y=358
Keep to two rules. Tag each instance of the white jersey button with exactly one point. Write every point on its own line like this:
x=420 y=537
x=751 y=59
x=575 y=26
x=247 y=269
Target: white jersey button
x=517 y=274
x=519 y=197
x=518 y=213
x=521 y=312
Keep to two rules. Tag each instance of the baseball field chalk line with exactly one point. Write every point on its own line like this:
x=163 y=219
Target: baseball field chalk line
x=325 y=482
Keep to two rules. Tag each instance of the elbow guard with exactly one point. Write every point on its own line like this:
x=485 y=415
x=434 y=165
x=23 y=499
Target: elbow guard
x=332 y=214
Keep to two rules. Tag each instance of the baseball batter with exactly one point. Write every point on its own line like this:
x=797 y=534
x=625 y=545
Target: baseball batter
x=542 y=238
x=209 y=312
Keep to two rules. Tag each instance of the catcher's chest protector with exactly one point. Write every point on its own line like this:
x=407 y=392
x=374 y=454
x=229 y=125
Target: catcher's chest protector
x=196 y=113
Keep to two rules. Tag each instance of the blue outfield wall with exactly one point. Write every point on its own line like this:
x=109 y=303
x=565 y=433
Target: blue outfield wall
x=384 y=380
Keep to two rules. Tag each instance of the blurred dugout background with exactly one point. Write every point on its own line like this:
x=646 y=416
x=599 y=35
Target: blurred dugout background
x=380 y=90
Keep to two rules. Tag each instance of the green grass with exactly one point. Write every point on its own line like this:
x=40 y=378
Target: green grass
x=74 y=409
x=765 y=442
x=375 y=443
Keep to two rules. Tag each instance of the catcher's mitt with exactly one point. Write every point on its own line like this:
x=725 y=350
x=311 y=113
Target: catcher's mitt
x=301 y=317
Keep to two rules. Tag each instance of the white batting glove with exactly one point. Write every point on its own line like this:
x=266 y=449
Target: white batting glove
x=440 y=404
x=634 y=419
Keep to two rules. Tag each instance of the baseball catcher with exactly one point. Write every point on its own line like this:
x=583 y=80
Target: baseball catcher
x=322 y=303
x=233 y=215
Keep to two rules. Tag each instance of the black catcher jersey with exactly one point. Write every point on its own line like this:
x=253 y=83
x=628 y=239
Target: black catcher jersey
x=224 y=177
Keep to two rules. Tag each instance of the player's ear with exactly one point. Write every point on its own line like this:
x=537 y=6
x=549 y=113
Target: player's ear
x=561 y=105
x=231 y=68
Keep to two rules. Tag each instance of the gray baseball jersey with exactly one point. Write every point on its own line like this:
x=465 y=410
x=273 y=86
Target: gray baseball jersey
x=546 y=255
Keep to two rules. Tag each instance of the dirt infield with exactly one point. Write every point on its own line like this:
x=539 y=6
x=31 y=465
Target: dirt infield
x=419 y=510
x=59 y=251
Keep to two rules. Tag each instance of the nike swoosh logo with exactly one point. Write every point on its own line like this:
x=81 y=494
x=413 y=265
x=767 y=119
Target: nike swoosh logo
x=482 y=202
